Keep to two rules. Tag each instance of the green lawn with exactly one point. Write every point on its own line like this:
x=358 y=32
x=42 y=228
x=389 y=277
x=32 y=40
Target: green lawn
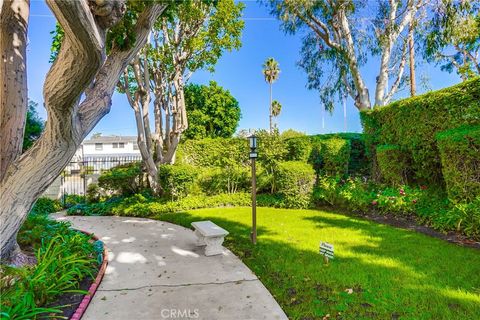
x=394 y=273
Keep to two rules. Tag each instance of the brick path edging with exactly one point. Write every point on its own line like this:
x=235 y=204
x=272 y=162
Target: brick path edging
x=94 y=286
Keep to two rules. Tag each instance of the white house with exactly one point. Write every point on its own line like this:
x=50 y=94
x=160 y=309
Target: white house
x=95 y=155
x=110 y=146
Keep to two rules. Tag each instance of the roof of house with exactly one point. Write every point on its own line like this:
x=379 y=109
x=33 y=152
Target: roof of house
x=110 y=139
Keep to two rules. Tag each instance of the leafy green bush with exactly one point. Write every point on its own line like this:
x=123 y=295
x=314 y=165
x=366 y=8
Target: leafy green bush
x=142 y=207
x=430 y=206
x=295 y=181
x=103 y=208
x=178 y=180
x=45 y=206
x=38 y=228
x=70 y=200
x=230 y=179
x=124 y=179
x=352 y=193
x=393 y=164
x=413 y=123
x=460 y=156
x=466 y=218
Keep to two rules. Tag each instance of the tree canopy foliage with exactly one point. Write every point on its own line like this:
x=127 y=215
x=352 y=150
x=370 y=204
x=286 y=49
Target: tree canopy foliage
x=339 y=38
x=213 y=112
x=453 y=38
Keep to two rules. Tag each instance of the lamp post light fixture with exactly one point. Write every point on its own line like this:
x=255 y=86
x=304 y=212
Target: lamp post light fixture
x=253 y=155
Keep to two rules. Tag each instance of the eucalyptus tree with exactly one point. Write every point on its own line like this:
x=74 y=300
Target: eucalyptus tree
x=271 y=72
x=77 y=93
x=341 y=36
x=453 y=38
x=191 y=38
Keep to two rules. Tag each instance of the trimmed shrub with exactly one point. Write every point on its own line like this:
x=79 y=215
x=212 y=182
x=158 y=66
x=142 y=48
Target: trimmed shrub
x=413 y=123
x=393 y=164
x=460 y=156
x=178 y=180
x=295 y=181
x=124 y=179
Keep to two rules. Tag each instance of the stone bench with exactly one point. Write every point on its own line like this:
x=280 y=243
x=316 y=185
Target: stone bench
x=209 y=235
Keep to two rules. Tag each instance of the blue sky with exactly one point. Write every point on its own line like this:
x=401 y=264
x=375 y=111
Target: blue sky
x=239 y=72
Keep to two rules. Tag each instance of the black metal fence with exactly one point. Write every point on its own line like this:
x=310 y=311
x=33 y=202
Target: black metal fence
x=79 y=174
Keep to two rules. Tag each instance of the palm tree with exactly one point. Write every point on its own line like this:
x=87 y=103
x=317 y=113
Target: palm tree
x=271 y=72
x=276 y=109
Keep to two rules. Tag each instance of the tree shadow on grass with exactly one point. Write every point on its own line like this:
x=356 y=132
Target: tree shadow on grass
x=399 y=275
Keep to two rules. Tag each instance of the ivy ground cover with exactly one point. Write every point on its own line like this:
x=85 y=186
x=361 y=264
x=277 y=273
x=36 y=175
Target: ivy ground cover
x=379 y=272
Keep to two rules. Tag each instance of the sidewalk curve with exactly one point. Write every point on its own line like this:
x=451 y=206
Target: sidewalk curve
x=155 y=271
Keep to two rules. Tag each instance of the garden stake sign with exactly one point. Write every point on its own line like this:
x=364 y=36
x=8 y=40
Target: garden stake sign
x=326 y=250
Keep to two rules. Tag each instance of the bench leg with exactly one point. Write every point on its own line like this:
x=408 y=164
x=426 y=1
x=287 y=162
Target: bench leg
x=214 y=246
x=200 y=239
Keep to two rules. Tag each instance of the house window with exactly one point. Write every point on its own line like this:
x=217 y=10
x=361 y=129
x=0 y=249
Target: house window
x=99 y=146
x=121 y=145
x=114 y=145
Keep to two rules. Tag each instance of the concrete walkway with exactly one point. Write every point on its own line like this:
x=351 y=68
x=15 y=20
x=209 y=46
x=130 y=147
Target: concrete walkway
x=155 y=271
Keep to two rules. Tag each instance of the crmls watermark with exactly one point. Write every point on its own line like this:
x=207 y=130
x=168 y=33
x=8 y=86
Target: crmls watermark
x=179 y=314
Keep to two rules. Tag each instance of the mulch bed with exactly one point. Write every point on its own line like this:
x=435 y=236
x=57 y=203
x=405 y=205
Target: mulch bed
x=410 y=223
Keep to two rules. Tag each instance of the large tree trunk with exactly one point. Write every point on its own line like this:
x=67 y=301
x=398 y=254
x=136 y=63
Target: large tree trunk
x=270 y=110
x=13 y=77
x=411 y=51
x=147 y=155
x=81 y=68
x=382 y=78
x=362 y=99
x=179 y=114
x=140 y=103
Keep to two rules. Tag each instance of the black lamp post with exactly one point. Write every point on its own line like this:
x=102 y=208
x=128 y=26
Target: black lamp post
x=253 y=156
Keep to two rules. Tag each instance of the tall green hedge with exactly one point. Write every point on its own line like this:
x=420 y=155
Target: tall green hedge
x=413 y=123
x=393 y=164
x=216 y=152
x=460 y=155
x=338 y=153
